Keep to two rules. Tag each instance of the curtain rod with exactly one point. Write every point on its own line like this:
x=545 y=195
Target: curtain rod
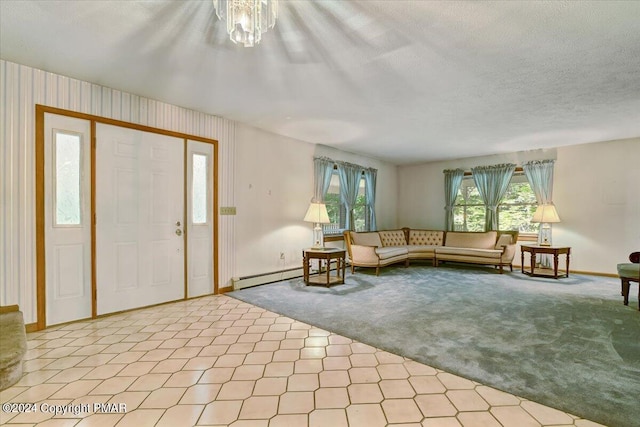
x=518 y=169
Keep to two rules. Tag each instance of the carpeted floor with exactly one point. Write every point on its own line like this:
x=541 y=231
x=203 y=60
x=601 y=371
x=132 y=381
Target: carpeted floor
x=569 y=343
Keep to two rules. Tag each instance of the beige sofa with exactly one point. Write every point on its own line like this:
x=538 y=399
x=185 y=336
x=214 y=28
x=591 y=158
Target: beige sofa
x=376 y=249
x=489 y=248
x=381 y=248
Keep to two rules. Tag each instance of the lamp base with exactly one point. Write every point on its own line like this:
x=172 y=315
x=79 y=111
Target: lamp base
x=545 y=235
x=318 y=238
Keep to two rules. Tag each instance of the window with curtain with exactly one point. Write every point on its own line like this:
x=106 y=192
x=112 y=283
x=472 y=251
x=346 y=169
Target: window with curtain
x=514 y=211
x=337 y=211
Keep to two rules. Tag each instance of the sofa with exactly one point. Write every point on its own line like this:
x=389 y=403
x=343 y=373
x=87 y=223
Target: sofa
x=382 y=248
x=13 y=345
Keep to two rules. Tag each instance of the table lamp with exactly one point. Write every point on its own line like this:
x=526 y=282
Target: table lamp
x=317 y=214
x=546 y=214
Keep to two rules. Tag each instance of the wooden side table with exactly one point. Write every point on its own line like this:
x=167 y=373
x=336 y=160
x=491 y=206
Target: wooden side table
x=553 y=250
x=328 y=254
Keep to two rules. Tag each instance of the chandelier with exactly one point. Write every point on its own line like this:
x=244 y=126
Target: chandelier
x=247 y=19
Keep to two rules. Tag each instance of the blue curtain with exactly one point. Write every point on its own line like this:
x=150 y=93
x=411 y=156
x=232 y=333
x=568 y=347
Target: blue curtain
x=370 y=176
x=322 y=171
x=540 y=176
x=349 y=175
x=452 y=181
x=492 y=182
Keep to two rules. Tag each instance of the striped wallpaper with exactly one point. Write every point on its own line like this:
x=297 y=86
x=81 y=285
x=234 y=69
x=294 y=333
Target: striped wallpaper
x=21 y=88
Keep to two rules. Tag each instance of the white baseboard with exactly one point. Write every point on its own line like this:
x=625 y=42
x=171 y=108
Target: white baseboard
x=261 y=279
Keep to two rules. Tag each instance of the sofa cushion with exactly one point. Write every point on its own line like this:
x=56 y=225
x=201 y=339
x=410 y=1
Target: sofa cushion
x=413 y=249
x=629 y=271
x=462 y=239
x=366 y=239
x=392 y=238
x=391 y=252
x=468 y=252
x=426 y=237
x=13 y=347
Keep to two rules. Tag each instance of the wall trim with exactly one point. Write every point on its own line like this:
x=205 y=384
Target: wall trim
x=261 y=279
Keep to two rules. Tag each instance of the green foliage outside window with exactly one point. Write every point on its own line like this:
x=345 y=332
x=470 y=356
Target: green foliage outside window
x=469 y=210
x=517 y=208
x=337 y=212
x=332 y=201
x=360 y=213
x=514 y=212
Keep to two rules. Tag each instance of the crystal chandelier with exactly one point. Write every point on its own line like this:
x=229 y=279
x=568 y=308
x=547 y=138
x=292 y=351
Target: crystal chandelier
x=247 y=19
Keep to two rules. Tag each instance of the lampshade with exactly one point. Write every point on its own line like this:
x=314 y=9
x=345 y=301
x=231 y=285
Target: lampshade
x=546 y=214
x=317 y=213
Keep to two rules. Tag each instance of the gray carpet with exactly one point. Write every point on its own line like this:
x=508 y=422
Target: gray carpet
x=569 y=343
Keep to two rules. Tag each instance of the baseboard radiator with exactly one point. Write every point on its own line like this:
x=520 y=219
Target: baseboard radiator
x=261 y=279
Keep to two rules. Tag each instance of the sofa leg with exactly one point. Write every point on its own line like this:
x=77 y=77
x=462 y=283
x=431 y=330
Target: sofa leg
x=353 y=269
x=511 y=267
x=377 y=271
x=406 y=263
x=501 y=269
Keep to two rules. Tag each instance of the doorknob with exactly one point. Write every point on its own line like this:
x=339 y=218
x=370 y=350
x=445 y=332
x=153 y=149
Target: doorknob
x=179 y=232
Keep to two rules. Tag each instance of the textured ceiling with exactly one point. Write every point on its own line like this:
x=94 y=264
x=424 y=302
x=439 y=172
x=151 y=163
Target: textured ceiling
x=404 y=81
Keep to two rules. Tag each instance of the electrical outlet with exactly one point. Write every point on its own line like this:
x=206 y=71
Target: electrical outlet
x=281 y=255
x=228 y=210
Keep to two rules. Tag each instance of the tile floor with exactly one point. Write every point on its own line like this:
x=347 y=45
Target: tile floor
x=218 y=361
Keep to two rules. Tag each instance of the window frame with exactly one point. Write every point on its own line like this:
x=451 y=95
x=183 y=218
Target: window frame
x=518 y=178
x=330 y=229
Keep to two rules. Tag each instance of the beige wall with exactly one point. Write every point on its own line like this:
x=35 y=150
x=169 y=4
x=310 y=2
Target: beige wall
x=274 y=185
x=595 y=191
x=268 y=178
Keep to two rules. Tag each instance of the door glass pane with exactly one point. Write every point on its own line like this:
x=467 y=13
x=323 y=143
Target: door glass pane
x=68 y=155
x=199 y=192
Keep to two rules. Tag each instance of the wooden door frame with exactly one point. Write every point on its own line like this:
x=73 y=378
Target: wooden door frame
x=41 y=110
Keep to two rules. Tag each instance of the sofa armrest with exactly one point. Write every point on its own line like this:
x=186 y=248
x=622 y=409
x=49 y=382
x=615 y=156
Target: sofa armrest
x=364 y=254
x=508 y=252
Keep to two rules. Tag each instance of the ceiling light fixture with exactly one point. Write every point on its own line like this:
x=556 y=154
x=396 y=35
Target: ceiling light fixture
x=247 y=19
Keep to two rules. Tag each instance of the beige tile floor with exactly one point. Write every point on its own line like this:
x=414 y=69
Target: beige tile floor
x=218 y=361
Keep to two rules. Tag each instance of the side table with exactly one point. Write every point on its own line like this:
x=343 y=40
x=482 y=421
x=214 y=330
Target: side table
x=553 y=250
x=328 y=254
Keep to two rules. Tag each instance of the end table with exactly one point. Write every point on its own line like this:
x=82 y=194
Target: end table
x=327 y=254
x=539 y=249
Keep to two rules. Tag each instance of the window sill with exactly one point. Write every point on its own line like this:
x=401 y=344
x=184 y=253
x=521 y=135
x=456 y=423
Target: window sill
x=529 y=237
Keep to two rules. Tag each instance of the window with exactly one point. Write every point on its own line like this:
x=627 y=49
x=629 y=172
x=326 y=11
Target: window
x=514 y=212
x=68 y=173
x=199 y=191
x=337 y=212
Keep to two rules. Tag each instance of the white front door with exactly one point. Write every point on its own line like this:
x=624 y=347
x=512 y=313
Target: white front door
x=139 y=218
x=67 y=219
x=200 y=213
